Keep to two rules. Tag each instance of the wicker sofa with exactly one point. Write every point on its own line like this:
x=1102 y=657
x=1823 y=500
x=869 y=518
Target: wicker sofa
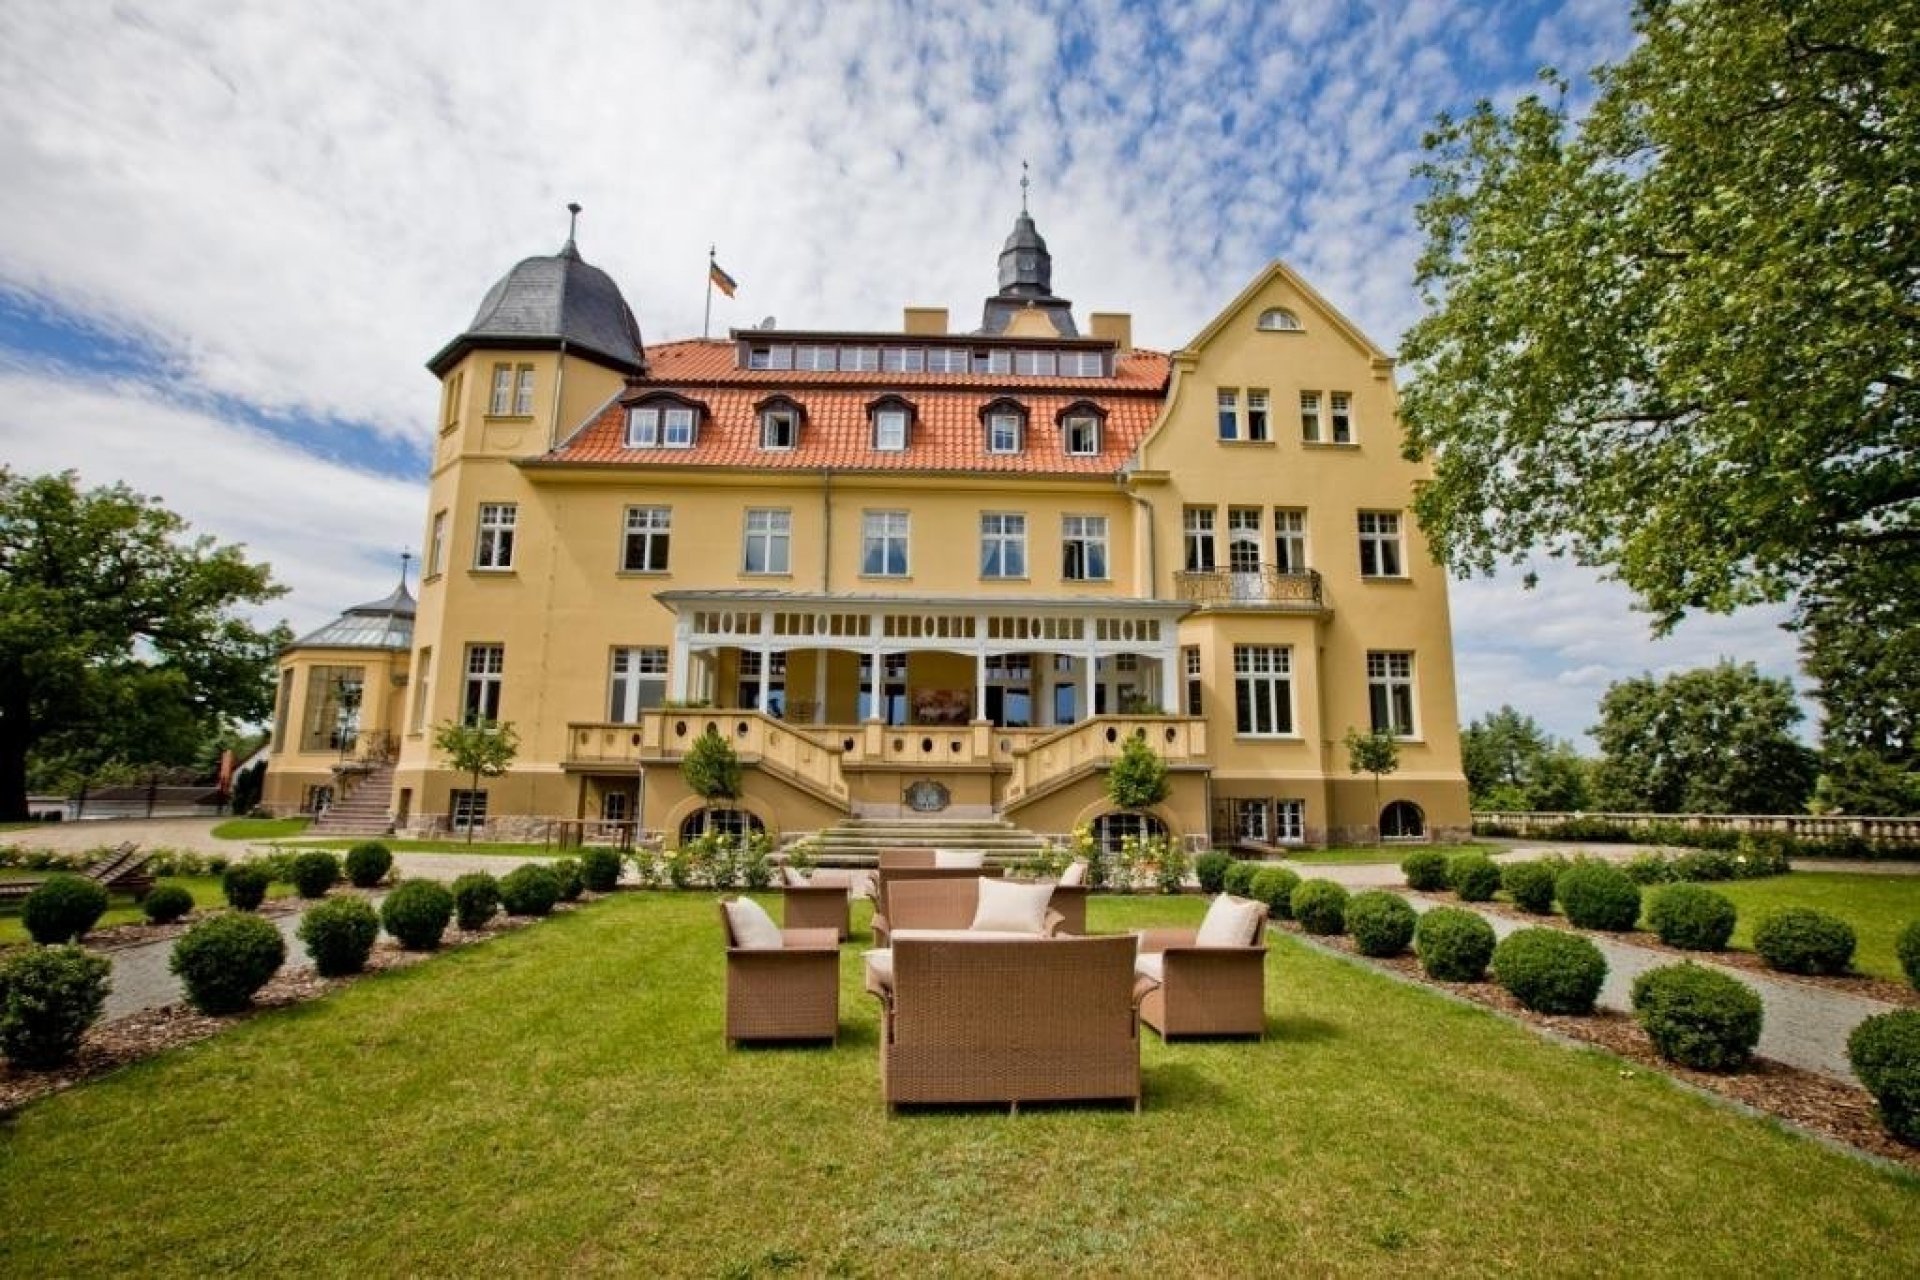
x=788 y=993
x=1044 y=1020
x=1204 y=991
x=961 y=885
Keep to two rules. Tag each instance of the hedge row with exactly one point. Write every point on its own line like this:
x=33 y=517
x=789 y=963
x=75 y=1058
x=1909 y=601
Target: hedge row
x=1678 y=835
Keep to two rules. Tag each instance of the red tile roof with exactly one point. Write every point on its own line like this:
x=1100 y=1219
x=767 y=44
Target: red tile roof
x=947 y=434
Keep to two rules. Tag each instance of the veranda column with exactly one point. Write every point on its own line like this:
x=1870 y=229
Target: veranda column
x=1170 y=673
x=682 y=658
x=1089 y=674
x=980 y=669
x=766 y=659
x=820 y=657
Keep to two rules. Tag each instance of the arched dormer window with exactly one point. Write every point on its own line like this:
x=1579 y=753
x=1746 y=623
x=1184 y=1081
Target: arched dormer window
x=780 y=418
x=663 y=420
x=1279 y=320
x=1082 y=427
x=1004 y=422
x=891 y=418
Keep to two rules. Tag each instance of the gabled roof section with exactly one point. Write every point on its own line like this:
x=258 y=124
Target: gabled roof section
x=1278 y=270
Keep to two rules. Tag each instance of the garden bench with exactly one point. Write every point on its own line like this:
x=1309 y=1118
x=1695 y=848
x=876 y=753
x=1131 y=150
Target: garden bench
x=121 y=870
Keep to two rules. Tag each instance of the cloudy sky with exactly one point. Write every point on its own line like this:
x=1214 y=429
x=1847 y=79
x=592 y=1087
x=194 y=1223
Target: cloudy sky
x=230 y=233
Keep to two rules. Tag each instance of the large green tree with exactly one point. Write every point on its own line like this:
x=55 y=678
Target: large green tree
x=1512 y=763
x=119 y=632
x=1715 y=740
x=1860 y=628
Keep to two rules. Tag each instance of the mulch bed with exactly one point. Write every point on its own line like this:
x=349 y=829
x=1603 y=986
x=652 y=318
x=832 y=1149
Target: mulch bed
x=108 y=1046
x=1831 y=1108
x=1863 y=985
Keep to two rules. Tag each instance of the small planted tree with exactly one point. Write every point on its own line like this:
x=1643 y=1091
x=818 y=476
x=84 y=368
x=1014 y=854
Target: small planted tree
x=480 y=749
x=1138 y=779
x=711 y=768
x=1375 y=753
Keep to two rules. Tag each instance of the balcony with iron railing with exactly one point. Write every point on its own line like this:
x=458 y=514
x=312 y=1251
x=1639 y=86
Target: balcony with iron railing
x=1263 y=588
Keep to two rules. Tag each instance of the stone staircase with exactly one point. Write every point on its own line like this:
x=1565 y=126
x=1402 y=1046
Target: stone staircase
x=364 y=811
x=857 y=842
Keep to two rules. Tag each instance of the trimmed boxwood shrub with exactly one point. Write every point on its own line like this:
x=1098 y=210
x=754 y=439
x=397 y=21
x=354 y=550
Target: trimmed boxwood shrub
x=529 y=890
x=1909 y=948
x=600 y=869
x=1425 y=869
x=1320 y=906
x=1239 y=878
x=1691 y=917
x=245 y=886
x=1274 y=886
x=1697 y=1017
x=1550 y=970
x=63 y=908
x=314 y=872
x=416 y=913
x=368 y=863
x=567 y=872
x=1454 y=945
x=1530 y=885
x=1885 y=1053
x=1381 y=922
x=1803 y=940
x=1598 y=896
x=1647 y=868
x=476 y=898
x=339 y=935
x=1210 y=869
x=167 y=903
x=49 y=996
x=1473 y=876
x=225 y=958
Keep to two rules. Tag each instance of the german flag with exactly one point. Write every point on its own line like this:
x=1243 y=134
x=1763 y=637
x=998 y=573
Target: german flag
x=721 y=280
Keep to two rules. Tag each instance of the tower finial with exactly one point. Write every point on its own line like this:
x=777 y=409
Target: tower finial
x=406 y=558
x=573 y=217
x=1023 y=186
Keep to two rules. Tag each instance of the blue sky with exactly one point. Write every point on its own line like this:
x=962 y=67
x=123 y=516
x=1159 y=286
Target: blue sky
x=231 y=233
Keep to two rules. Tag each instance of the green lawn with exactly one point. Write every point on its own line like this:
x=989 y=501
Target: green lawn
x=560 y=1100
x=1360 y=854
x=1877 y=907
x=260 y=828
x=122 y=909
x=534 y=850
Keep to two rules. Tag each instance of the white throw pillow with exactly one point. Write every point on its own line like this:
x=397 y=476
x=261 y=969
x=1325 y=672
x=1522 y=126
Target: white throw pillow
x=960 y=859
x=753 y=928
x=1229 y=923
x=1075 y=874
x=1152 y=965
x=1007 y=906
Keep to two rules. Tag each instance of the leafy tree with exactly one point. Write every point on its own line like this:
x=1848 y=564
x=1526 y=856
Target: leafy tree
x=118 y=637
x=1678 y=336
x=477 y=748
x=1138 y=779
x=1714 y=740
x=711 y=768
x=1512 y=763
x=1860 y=642
x=1376 y=753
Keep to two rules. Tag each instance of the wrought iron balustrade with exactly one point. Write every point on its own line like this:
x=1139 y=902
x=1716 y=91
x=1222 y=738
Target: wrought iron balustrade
x=1266 y=586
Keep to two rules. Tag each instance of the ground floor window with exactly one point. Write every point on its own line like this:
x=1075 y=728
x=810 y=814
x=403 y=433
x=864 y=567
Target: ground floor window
x=1289 y=821
x=736 y=823
x=1402 y=820
x=1109 y=829
x=614 y=806
x=467 y=810
x=1270 y=821
x=1250 y=820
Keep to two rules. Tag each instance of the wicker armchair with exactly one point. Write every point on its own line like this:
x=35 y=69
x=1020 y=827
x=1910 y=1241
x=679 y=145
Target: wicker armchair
x=825 y=902
x=1204 y=991
x=1049 y=1020
x=792 y=993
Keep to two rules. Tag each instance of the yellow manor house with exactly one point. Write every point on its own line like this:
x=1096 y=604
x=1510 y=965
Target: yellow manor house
x=927 y=576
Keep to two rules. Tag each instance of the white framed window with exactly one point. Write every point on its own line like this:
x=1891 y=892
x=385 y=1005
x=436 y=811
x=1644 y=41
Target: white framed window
x=1341 y=409
x=1229 y=414
x=903 y=359
x=450 y=411
x=816 y=359
x=947 y=360
x=1390 y=693
x=500 y=398
x=860 y=359
x=1003 y=545
x=1279 y=320
x=523 y=391
x=422 y=683
x=467 y=810
x=1258 y=425
x=643 y=428
x=996 y=360
x=1197 y=533
x=1263 y=690
x=1042 y=364
x=1243 y=539
x=649 y=532
x=486 y=670
x=636 y=682
x=770 y=357
x=1289 y=540
x=890 y=430
x=768 y=544
x=779 y=429
x=1003 y=433
x=1250 y=820
x=1083 y=364
x=493 y=547
x=1190 y=663
x=676 y=429
x=1289 y=821
x=1310 y=416
x=1083 y=548
x=1380 y=552
x=1082 y=435
x=883 y=544
x=437 y=546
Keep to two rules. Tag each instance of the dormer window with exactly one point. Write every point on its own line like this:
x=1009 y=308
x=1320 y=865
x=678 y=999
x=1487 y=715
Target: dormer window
x=1080 y=428
x=892 y=421
x=663 y=422
x=780 y=423
x=1279 y=320
x=1005 y=422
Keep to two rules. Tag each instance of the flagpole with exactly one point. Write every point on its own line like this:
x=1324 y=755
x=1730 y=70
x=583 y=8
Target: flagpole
x=706 y=323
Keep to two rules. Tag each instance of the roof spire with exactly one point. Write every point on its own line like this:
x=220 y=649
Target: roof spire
x=1023 y=186
x=406 y=558
x=569 y=249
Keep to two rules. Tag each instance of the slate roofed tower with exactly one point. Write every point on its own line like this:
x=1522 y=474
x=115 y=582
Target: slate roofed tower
x=1026 y=305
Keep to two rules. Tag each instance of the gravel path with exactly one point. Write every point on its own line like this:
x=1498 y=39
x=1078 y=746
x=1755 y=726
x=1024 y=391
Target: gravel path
x=141 y=979
x=1805 y=1026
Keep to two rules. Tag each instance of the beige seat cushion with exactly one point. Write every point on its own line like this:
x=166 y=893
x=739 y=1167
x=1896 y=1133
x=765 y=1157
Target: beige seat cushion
x=1075 y=874
x=960 y=859
x=880 y=968
x=1229 y=923
x=753 y=928
x=1008 y=906
x=1151 y=965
